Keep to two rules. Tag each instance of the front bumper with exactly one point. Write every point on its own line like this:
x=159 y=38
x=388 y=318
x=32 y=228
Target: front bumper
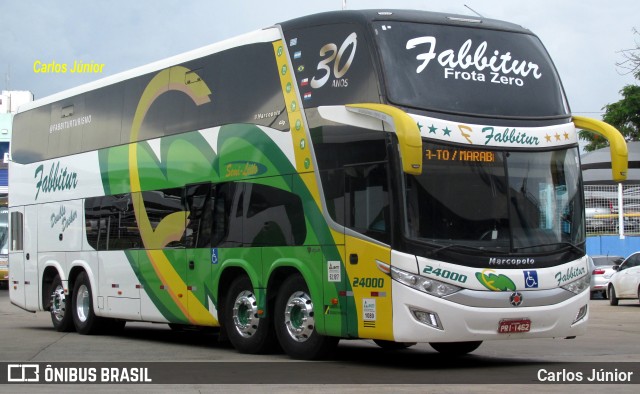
x=471 y=323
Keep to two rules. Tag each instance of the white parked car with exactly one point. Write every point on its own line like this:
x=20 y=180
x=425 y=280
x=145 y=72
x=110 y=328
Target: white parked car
x=625 y=283
x=601 y=268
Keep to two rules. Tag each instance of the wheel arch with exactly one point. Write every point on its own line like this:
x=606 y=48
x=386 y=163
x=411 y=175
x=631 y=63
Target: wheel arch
x=49 y=272
x=77 y=267
x=281 y=269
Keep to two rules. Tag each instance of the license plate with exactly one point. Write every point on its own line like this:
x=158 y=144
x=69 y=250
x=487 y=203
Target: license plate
x=514 y=326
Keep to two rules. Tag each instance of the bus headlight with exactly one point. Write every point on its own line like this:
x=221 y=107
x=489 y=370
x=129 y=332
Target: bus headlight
x=578 y=285
x=425 y=285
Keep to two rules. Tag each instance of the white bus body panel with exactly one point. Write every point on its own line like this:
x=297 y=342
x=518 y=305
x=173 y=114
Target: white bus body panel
x=118 y=286
x=60 y=226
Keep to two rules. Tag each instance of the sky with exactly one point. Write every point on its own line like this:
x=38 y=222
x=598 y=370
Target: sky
x=583 y=37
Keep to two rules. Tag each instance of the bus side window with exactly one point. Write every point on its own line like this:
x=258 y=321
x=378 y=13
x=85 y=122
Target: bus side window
x=227 y=215
x=367 y=200
x=161 y=203
x=119 y=223
x=93 y=220
x=353 y=170
x=199 y=204
x=274 y=217
x=16 y=231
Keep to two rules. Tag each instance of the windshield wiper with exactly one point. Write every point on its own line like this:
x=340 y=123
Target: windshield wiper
x=463 y=247
x=566 y=245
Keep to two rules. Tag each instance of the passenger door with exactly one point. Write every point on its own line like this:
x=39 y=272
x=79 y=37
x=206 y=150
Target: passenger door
x=31 y=283
x=199 y=205
x=367 y=212
x=23 y=258
x=16 y=256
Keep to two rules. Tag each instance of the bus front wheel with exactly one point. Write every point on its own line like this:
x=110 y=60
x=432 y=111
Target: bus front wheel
x=247 y=331
x=455 y=348
x=295 y=322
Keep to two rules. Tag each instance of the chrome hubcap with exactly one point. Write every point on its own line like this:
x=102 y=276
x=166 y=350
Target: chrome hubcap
x=298 y=316
x=245 y=314
x=58 y=303
x=82 y=303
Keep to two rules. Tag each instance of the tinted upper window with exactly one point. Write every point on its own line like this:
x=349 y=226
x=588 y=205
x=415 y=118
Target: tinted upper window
x=468 y=70
x=332 y=64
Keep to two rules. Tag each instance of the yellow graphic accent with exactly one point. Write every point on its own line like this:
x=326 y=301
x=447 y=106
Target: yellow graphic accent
x=464 y=128
x=299 y=136
x=172 y=226
x=289 y=91
x=488 y=283
x=380 y=326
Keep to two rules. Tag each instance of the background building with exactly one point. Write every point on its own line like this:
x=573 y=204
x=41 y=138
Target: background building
x=9 y=103
x=607 y=235
x=596 y=166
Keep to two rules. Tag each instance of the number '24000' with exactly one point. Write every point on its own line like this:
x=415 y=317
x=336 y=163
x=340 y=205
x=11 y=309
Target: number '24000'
x=368 y=282
x=446 y=274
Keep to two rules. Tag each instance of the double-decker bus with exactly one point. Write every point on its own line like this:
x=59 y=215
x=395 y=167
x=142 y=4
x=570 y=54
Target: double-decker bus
x=400 y=176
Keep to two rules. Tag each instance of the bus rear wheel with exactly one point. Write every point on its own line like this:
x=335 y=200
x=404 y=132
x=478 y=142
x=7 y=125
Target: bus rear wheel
x=455 y=348
x=247 y=331
x=84 y=318
x=60 y=307
x=295 y=322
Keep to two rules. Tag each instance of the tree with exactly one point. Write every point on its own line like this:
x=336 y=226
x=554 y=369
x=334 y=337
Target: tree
x=631 y=62
x=624 y=114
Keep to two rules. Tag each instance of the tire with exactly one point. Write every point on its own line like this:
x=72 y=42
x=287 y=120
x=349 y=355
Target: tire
x=84 y=318
x=391 y=345
x=60 y=307
x=246 y=330
x=295 y=322
x=613 y=299
x=455 y=348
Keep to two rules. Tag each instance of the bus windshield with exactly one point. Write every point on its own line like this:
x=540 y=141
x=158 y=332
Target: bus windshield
x=471 y=71
x=499 y=201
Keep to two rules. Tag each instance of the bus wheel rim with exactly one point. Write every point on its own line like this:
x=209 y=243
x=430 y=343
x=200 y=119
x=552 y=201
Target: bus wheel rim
x=58 y=303
x=245 y=314
x=298 y=316
x=82 y=303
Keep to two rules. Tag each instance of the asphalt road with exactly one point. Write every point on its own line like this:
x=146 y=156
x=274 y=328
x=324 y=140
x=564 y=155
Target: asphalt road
x=612 y=341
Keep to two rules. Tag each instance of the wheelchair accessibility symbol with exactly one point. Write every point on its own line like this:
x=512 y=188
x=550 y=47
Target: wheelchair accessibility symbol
x=530 y=279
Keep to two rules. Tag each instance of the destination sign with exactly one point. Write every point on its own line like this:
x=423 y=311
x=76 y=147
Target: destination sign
x=460 y=155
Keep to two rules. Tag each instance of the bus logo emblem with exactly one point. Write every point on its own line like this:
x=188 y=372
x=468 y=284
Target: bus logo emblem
x=516 y=299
